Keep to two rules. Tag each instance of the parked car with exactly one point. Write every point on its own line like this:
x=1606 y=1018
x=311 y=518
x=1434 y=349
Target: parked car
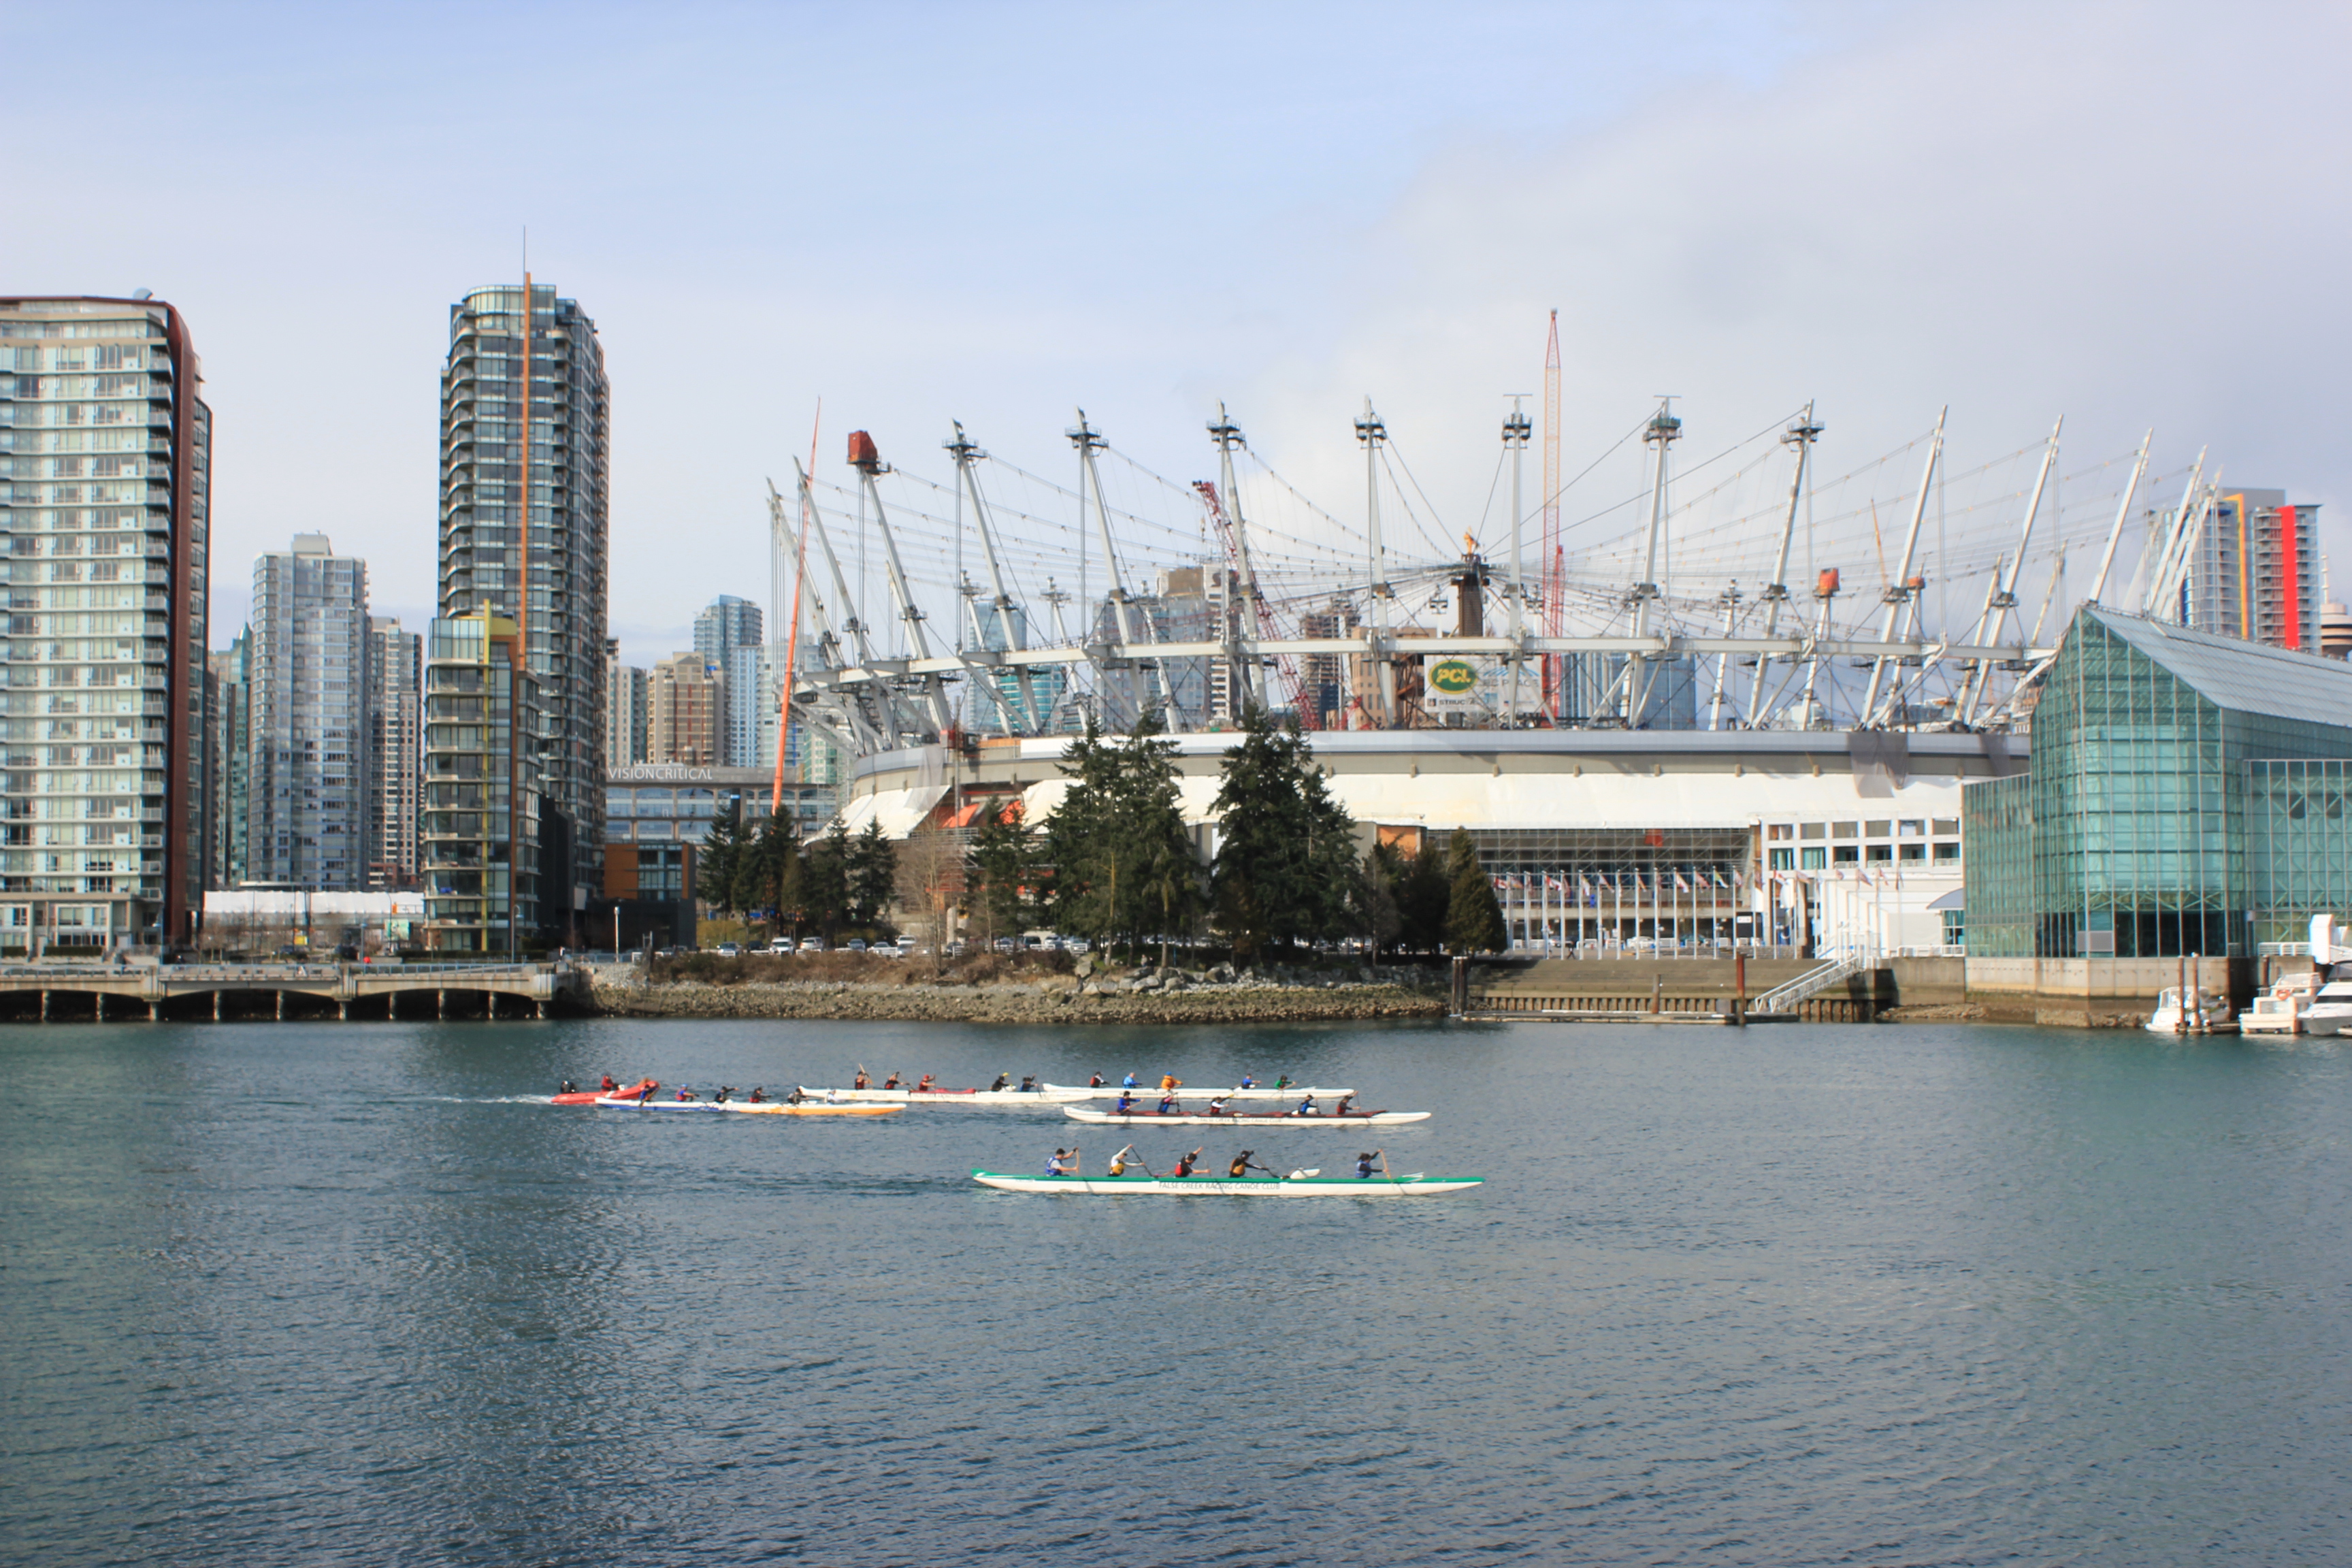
x=856 y=944
x=812 y=944
x=730 y=950
x=886 y=949
x=1074 y=944
x=1006 y=944
x=782 y=944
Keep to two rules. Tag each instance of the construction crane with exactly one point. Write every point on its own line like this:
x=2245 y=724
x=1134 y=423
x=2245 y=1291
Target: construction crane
x=1294 y=689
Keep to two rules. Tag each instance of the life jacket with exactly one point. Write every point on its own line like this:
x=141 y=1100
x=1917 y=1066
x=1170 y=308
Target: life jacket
x=1239 y=1167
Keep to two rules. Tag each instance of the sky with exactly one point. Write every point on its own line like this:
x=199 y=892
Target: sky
x=2130 y=216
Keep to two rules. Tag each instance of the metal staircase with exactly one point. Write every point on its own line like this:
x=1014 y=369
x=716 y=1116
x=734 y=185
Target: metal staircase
x=1820 y=978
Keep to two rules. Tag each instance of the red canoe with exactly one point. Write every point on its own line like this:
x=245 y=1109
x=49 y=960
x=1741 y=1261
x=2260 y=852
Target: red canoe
x=589 y=1096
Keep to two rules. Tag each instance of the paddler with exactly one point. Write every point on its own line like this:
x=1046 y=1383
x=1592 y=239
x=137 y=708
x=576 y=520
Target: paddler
x=1282 y=1083
x=1364 y=1165
x=1128 y=1082
x=924 y=1085
x=1169 y=1083
x=720 y=1098
x=1307 y=1106
x=1240 y=1167
x=758 y=1095
x=608 y=1085
x=568 y=1086
x=1126 y=1106
x=1168 y=1105
x=860 y=1081
x=1001 y=1079
x=1095 y=1081
x=795 y=1097
x=1341 y=1108
x=1062 y=1163
x=684 y=1093
x=1216 y=1106
x=1184 y=1165
x=1248 y=1082
x=1028 y=1086
x=891 y=1082
x=1118 y=1160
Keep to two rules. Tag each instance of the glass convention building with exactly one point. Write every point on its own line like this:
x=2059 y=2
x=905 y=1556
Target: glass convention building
x=2187 y=794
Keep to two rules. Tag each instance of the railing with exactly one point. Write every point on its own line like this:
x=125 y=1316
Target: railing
x=1784 y=998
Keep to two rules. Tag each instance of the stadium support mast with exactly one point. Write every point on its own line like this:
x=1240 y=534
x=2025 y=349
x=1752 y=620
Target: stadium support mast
x=2123 y=510
x=1516 y=430
x=2004 y=597
x=1661 y=432
x=1901 y=591
x=1014 y=630
x=1555 y=563
x=1799 y=438
x=1372 y=433
x=1245 y=659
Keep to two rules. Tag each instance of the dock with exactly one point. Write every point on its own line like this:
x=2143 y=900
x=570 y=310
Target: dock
x=96 y=992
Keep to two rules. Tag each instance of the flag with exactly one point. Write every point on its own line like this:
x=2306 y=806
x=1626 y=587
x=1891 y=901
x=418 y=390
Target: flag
x=1680 y=885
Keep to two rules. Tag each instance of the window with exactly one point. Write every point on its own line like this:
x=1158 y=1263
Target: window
x=1948 y=851
x=1877 y=829
x=1843 y=830
x=1878 y=852
x=1844 y=855
x=1809 y=830
x=1914 y=852
x=1948 y=827
x=1811 y=858
x=1910 y=829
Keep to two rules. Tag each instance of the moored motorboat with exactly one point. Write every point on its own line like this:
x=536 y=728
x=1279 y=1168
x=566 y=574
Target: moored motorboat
x=2208 y=1014
x=1292 y=1187
x=2330 y=1012
x=1259 y=1092
x=1243 y=1118
x=590 y=1096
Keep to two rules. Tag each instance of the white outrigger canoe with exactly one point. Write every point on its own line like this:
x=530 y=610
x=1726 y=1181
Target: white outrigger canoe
x=1299 y=1186
x=1244 y=1119
x=992 y=1097
x=748 y=1108
x=1112 y=1092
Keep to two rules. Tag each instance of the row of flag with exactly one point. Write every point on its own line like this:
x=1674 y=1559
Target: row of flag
x=1635 y=885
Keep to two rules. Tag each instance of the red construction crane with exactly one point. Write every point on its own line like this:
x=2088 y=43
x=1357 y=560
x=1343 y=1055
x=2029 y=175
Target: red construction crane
x=1285 y=668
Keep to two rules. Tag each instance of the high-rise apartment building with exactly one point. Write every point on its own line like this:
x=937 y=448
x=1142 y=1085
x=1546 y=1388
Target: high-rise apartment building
x=2255 y=571
x=229 y=756
x=726 y=623
x=479 y=834
x=687 y=697
x=751 y=706
x=524 y=523
x=396 y=740
x=627 y=717
x=312 y=748
x=105 y=496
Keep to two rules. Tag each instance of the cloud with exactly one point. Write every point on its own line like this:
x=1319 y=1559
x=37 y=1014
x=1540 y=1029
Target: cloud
x=2130 y=216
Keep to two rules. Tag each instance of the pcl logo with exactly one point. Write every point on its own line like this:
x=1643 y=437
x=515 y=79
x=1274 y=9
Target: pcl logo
x=1453 y=676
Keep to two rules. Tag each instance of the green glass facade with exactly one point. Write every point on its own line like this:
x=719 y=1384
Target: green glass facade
x=2157 y=817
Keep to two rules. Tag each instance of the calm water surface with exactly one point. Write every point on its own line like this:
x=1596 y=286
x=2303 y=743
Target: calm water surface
x=295 y=1294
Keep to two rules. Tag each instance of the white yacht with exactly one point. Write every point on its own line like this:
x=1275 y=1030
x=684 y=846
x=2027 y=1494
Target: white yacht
x=2330 y=1012
x=2280 y=1009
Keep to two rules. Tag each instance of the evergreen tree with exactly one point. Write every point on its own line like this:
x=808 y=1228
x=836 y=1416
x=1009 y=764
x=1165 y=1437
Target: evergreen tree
x=1121 y=858
x=998 y=871
x=825 y=880
x=770 y=868
x=873 y=871
x=1422 y=899
x=1285 y=865
x=1473 y=917
x=721 y=859
x=1379 y=911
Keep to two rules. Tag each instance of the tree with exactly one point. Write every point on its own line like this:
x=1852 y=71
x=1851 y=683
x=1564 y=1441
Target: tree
x=1378 y=908
x=1000 y=873
x=722 y=858
x=825 y=880
x=768 y=872
x=1473 y=917
x=872 y=875
x=1122 y=857
x=1422 y=897
x=1287 y=862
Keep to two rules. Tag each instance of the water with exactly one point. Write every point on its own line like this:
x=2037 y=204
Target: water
x=287 y=1294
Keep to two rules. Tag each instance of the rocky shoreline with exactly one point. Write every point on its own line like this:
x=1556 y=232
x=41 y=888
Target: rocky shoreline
x=1150 y=997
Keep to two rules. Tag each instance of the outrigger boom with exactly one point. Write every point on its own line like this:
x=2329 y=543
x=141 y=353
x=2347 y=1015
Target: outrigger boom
x=1411 y=1186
